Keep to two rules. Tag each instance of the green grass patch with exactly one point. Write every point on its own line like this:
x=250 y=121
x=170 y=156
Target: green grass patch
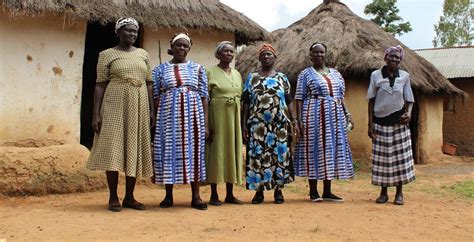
x=464 y=188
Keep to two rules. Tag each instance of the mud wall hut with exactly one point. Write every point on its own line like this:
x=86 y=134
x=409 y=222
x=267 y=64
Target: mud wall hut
x=48 y=54
x=456 y=64
x=355 y=48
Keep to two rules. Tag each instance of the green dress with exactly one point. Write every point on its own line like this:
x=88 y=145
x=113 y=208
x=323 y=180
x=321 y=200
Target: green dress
x=124 y=140
x=224 y=151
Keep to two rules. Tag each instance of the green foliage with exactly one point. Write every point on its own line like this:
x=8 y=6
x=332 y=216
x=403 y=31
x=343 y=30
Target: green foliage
x=385 y=15
x=454 y=28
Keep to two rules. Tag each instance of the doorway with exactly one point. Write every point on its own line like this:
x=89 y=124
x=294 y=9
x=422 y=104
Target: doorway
x=98 y=38
x=414 y=128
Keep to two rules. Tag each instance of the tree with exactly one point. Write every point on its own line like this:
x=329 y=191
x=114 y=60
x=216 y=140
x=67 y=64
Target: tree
x=385 y=14
x=454 y=28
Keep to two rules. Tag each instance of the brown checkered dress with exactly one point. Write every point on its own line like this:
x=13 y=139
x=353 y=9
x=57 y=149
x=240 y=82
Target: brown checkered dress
x=124 y=140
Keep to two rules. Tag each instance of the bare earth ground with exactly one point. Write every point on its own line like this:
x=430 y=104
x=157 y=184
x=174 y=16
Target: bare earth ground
x=435 y=209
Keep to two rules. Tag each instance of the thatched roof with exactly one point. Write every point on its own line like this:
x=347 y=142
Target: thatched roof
x=355 y=48
x=186 y=14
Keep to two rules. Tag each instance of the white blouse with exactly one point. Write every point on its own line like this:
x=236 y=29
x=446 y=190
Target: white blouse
x=389 y=99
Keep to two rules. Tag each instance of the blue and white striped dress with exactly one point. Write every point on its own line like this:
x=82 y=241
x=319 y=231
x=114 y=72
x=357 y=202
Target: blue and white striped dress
x=323 y=153
x=179 y=144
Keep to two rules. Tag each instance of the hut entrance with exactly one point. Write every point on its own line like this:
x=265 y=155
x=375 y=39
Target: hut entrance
x=98 y=38
x=414 y=129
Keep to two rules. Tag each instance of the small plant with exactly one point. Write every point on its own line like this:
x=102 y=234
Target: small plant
x=464 y=188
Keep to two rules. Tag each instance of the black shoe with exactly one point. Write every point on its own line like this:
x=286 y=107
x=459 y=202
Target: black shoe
x=332 y=198
x=115 y=207
x=166 y=203
x=315 y=197
x=382 y=199
x=198 y=204
x=279 y=199
x=258 y=198
x=215 y=202
x=398 y=200
x=133 y=204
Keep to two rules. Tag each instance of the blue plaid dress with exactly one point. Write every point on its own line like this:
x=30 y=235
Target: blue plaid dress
x=323 y=153
x=179 y=143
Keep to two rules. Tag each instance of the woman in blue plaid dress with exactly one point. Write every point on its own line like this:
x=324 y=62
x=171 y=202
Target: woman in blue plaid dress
x=390 y=105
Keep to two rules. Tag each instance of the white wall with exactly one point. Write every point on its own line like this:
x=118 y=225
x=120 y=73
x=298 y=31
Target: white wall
x=40 y=79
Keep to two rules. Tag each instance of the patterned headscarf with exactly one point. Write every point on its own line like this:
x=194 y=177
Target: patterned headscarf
x=219 y=47
x=181 y=36
x=267 y=47
x=394 y=49
x=125 y=21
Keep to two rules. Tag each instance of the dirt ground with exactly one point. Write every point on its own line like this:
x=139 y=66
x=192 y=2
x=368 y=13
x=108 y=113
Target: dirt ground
x=437 y=207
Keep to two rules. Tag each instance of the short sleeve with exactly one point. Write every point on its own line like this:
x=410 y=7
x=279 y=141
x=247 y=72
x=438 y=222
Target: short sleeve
x=202 y=82
x=247 y=89
x=301 y=87
x=407 y=92
x=343 y=83
x=103 y=68
x=372 y=91
x=157 y=75
x=148 y=67
x=287 y=86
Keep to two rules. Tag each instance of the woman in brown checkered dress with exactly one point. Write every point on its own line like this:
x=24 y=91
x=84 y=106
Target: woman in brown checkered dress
x=123 y=112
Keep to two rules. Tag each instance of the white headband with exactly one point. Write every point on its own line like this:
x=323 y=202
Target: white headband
x=181 y=36
x=125 y=21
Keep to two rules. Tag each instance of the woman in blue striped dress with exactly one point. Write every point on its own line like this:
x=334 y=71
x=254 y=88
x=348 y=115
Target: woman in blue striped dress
x=323 y=151
x=180 y=92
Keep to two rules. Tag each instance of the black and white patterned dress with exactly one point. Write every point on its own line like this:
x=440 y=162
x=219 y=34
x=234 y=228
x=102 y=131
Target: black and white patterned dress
x=392 y=157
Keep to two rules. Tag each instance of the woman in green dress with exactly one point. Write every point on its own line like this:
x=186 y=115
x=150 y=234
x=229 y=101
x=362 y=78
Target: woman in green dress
x=224 y=149
x=123 y=113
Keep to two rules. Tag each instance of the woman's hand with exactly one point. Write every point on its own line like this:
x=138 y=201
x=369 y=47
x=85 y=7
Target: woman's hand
x=405 y=118
x=349 y=119
x=152 y=119
x=301 y=130
x=296 y=132
x=96 y=124
x=207 y=132
x=371 y=132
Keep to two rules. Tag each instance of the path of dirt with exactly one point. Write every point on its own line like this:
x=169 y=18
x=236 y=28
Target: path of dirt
x=432 y=212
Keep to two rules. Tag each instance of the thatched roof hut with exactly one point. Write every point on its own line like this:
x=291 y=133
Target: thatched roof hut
x=355 y=48
x=187 y=14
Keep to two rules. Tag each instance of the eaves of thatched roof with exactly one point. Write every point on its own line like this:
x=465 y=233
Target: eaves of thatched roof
x=184 y=14
x=355 y=48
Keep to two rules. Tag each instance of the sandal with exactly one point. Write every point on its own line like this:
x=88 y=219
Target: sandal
x=133 y=204
x=198 y=204
x=166 y=203
x=233 y=200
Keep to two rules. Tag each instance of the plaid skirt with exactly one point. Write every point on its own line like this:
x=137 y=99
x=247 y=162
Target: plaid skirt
x=392 y=157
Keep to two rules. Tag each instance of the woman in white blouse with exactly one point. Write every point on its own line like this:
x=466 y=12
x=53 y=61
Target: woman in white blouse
x=390 y=105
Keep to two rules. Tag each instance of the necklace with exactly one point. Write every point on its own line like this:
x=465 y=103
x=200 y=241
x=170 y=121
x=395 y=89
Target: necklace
x=324 y=71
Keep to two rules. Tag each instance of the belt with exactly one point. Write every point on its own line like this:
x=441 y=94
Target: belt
x=338 y=101
x=133 y=82
x=229 y=99
x=180 y=89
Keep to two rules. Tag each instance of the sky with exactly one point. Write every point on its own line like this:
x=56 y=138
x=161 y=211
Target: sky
x=276 y=14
